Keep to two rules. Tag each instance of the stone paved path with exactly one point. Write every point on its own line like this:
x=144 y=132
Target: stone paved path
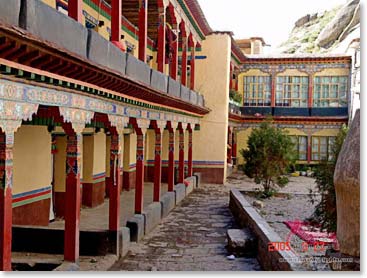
x=191 y=238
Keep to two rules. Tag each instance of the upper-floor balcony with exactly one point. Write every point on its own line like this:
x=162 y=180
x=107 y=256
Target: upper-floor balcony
x=41 y=38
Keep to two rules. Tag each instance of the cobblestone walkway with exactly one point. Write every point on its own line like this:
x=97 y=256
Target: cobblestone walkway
x=191 y=238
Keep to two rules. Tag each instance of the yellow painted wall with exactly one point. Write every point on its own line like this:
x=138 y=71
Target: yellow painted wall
x=129 y=154
x=326 y=132
x=295 y=131
x=333 y=72
x=165 y=141
x=32 y=159
x=242 y=137
x=150 y=136
x=107 y=162
x=212 y=80
x=60 y=164
x=99 y=154
x=88 y=146
x=51 y=3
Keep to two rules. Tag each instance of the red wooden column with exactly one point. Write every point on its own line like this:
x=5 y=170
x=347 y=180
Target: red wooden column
x=189 y=165
x=75 y=9
x=6 y=182
x=171 y=156
x=309 y=149
x=72 y=199
x=174 y=62
x=116 y=9
x=184 y=61
x=158 y=128
x=143 y=29
x=181 y=153
x=140 y=126
x=161 y=51
x=273 y=77
x=310 y=89
x=231 y=77
x=192 y=62
x=234 y=146
x=229 y=142
x=116 y=181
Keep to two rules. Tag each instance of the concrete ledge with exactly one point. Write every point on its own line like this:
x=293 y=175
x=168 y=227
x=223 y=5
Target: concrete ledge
x=247 y=216
x=138 y=70
x=152 y=214
x=191 y=186
x=136 y=224
x=180 y=191
x=9 y=11
x=168 y=202
x=174 y=87
x=185 y=93
x=103 y=52
x=61 y=30
x=193 y=97
x=159 y=81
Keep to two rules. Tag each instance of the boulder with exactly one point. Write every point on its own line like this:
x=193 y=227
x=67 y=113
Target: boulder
x=241 y=242
x=347 y=189
x=335 y=28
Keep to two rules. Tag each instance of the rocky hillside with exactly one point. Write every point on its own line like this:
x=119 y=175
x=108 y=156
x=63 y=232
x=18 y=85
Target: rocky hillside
x=325 y=32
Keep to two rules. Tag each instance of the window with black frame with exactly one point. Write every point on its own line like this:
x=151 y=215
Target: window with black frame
x=292 y=91
x=257 y=91
x=330 y=91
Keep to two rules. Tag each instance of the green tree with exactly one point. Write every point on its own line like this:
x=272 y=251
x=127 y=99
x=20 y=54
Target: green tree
x=268 y=155
x=325 y=211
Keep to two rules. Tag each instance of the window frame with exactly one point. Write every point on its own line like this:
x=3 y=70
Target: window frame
x=322 y=95
x=326 y=155
x=252 y=88
x=285 y=91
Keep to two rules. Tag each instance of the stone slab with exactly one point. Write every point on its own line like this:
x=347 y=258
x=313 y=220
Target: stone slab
x=61 y=30
x=193 y=97
x=138 y=70
x=180 y=190
x=168 y=202
x=174 y=87
x=198 y=179
x=125 y=241
x=136 y=224
x=241 y=242
x=185 y=93
x=191 y=186
x=201 y=100
x=152 y=214
x=9 y=11
x=159 y=81
x=103 y=52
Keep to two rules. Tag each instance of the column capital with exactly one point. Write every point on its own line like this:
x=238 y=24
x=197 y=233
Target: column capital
x=12 y=113
x=184 y=126
x=77 y=117
x=119 y=122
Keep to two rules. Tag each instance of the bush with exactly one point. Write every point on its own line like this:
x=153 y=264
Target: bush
x=325 y=212
x=268 y=157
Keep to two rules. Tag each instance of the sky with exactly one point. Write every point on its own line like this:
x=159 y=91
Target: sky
x=271 y=19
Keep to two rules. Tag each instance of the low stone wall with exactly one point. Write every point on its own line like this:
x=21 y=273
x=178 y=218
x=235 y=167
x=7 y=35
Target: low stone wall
x=247 y=216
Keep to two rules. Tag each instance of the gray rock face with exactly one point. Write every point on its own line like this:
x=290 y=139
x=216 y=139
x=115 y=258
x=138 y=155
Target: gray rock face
x=347 y=188
x=241 y=242
x=335 y=28
x=302 y=21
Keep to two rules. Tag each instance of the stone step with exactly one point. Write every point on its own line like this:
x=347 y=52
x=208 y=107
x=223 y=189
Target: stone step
x=241 y=242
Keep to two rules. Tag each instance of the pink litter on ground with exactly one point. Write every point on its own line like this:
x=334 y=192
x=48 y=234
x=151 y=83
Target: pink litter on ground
x=310 y=234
